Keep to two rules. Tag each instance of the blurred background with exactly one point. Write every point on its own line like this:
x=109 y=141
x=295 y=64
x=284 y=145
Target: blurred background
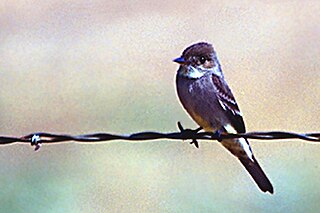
x=81 y=66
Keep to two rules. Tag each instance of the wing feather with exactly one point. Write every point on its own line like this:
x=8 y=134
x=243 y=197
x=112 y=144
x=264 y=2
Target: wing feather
x=228 y=103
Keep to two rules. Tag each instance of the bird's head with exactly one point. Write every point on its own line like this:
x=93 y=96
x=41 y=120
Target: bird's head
x=197 y=60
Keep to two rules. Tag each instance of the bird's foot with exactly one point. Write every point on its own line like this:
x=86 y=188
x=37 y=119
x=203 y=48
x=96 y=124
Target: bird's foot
x=189 y=133
x=217 y=134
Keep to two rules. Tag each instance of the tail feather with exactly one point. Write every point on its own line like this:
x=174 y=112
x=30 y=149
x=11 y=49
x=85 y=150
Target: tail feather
x=257 y=174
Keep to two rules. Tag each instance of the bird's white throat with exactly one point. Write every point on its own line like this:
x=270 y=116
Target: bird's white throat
x=195 y=72
x=200 y=71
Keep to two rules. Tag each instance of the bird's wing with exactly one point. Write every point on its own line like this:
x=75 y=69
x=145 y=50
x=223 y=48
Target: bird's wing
x=228 y=103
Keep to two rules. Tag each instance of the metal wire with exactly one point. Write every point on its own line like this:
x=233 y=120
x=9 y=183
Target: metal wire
x=36 y=139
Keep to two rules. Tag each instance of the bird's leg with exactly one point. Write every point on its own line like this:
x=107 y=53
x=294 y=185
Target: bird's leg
x=217 y=134
x=189 y=133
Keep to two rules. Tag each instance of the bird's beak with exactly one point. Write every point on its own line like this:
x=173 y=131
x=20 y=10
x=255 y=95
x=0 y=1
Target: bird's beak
x=180 y=60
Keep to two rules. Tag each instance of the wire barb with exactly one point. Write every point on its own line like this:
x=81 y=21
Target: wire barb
x=190 y=133
x=37 y=139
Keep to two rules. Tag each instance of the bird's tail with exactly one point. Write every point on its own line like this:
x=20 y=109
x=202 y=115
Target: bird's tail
x=257 y=174
x=241 y=149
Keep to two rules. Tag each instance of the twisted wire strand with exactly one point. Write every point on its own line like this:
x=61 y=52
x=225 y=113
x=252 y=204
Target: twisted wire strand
x=36 y=139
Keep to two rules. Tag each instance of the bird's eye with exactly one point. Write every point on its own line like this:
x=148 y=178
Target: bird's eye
x=202 y=59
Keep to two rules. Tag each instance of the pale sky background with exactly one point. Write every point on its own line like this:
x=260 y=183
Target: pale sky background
x=80 y=67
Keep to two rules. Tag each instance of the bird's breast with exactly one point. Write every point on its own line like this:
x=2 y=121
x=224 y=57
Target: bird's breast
x=199 y=100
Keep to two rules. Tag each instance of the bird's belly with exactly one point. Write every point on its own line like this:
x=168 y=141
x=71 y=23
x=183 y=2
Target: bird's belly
x=203 y=122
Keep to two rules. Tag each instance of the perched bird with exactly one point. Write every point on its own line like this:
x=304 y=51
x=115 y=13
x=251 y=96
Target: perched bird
x=207 y=98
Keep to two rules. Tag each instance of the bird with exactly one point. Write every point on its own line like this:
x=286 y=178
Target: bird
x=207 y=98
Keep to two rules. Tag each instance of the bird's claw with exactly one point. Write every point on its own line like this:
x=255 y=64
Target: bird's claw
x=217 y=135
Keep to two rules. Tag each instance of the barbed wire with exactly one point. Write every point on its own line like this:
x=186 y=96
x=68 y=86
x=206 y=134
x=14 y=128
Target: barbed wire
x=37 y=139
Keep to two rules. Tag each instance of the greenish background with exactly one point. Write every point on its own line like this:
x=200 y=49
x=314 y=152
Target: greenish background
x=83 y=66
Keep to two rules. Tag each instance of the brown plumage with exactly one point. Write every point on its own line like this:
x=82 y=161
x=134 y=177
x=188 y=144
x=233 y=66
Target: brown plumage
x=207 y=98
